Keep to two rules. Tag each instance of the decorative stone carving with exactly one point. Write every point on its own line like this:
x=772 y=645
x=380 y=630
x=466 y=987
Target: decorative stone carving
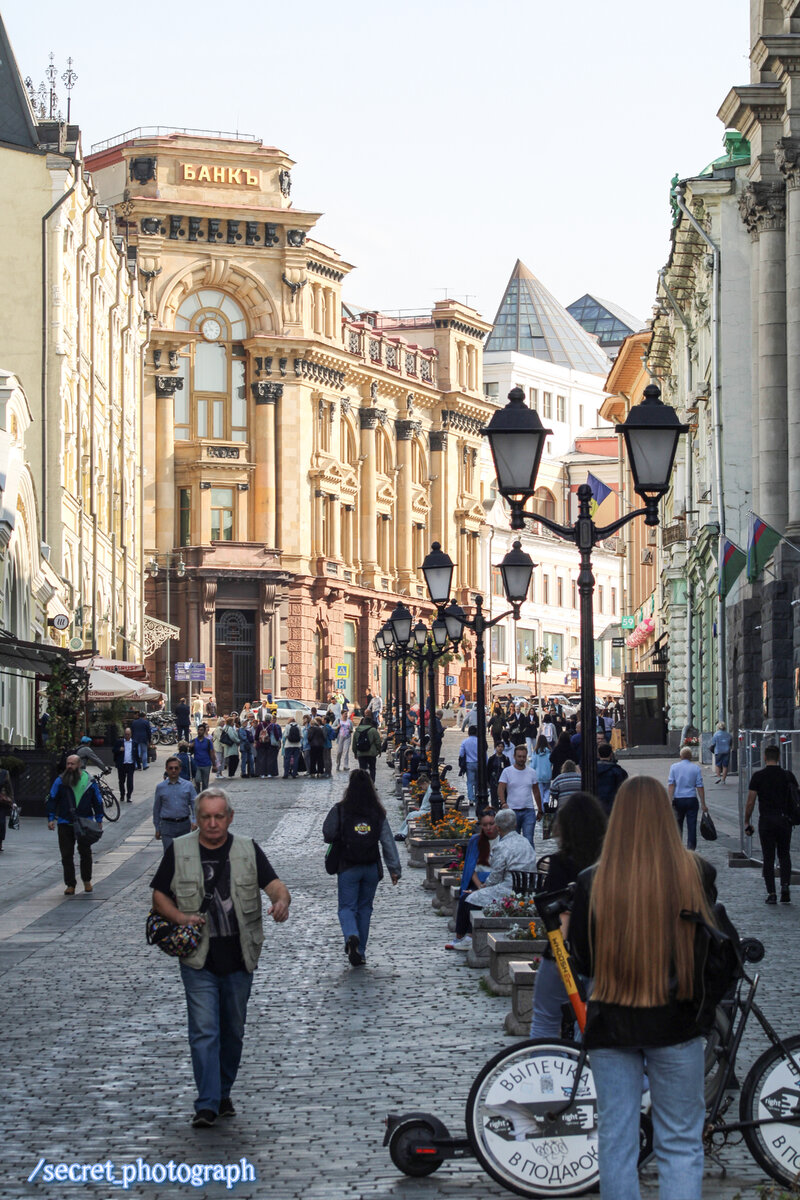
x=282 y=364
x=213 y=231
x=168 y=385
x=411 y=364
x=425 y=372
x=151 y=226
x=271 y=236
x=373 y=390
x=174 y=359
x=327 y=272
x=354 y=341
x=410 y=403
x=251 y=234
x=762 y=207
x=142 y=169
x=268 y=593
x=243 y=487
x=406 y=430
x=222 y=451
x=233 y=232
x=368 y=417
x=294 y=284
x=205 y=486
x=383 y=417
x=194 y=229
x=787 y=157
x=209 y=598
x=438 y=440
x=306 y=368
x=461 y=423
x=265 y=392
x=295 y=237
x=391 y=358
x=156 y=359
x=176 y=229
x=345 y=403
x=374 y=350
x=285 y=182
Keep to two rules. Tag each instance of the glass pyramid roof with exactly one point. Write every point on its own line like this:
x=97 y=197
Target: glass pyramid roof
x=610 y=323
x=531 y=321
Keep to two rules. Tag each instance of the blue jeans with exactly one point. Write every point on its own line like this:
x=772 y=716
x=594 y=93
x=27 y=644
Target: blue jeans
x=357 y=887
x=675 y=1075
x=142 y=755
x=217 y=1009
x=549 y=997
x=688 y=807
x=472 y=779
x=248 y=759
x=291 y=757
x=526 y=822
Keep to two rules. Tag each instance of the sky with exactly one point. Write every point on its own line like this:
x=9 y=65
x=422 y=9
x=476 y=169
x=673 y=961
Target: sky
x=441 y=139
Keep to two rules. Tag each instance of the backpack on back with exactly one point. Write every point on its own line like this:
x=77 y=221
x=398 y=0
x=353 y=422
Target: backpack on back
x=360 y=837
x=363 y=741
x=293 y=734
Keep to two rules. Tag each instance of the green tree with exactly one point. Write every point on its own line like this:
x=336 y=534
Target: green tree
x=541 y=660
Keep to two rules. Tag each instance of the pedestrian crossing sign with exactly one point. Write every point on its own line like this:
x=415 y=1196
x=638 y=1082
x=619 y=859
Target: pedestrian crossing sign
x=343 y=671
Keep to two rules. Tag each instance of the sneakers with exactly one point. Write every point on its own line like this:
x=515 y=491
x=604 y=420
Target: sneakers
x=771 y=898
x=352 y=951
x=70 y=891
x=464 y=943
x=785 y=897
x=204 y=1119
x=399 y=837
x=87 y=887
x=226 y=1108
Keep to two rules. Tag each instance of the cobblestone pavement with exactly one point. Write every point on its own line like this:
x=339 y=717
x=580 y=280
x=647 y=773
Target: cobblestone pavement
x=95 y=1056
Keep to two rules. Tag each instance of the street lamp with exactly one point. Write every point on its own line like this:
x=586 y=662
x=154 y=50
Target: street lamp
x=516 y=436
x=437 y=568
x=400 y=624
x=430 y=648
x=516 y=570
x=180 y=570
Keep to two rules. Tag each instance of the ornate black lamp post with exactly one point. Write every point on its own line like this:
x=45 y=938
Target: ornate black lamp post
x=430 y=648
x=516 y=569
x=516 y=438
x=400 y=625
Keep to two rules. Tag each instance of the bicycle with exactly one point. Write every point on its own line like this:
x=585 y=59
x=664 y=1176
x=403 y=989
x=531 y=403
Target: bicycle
x=531 y=1113
x=111 y=809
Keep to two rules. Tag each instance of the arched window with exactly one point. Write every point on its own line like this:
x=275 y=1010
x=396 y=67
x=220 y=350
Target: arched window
x=213 y=401
x=544 y=503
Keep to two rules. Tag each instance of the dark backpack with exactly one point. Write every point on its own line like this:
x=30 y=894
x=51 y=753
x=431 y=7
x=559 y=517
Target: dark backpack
x=360 y=837
x=717 y=961
x=293 y=734
x=363 y=741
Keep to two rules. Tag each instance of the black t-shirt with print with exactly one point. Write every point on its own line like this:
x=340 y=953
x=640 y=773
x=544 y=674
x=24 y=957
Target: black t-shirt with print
x=224 y=950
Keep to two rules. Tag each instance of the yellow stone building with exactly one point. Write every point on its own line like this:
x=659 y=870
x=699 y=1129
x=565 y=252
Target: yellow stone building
x=298 y=457
x=73 y=328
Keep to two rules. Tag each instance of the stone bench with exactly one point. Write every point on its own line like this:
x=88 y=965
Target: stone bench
x=419 y=847
x=446 y=882
x=434 y=860
x=478 y=954
x=503 y=951
x=523 y=977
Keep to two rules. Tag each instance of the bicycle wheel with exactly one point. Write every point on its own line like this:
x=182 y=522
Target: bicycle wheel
x=713 y=1065
x=772 y=1090
x=110 y=803
x=512 y=1132
x=404 y=1144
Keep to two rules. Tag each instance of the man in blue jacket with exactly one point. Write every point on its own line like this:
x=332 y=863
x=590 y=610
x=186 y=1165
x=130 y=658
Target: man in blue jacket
x=142 y=732
x=74 y=790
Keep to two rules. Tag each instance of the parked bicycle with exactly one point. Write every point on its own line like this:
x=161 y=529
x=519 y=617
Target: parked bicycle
x=531 y=1114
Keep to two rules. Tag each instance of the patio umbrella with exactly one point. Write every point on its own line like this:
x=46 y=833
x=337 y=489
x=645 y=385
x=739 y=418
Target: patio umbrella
x=512 y=689
x=104 y=685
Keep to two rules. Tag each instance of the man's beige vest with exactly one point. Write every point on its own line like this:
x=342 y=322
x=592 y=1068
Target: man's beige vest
x=188 y=886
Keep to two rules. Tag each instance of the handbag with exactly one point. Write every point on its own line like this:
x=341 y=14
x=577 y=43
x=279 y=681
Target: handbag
x=13 y=819
x=708 y=829
x=151 y=752
x=86 y=829
x=180 y=940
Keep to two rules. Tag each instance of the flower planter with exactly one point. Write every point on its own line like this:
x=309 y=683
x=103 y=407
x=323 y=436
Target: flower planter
x=523 y=979
x=478 y=954
x=505 y=950
x=434 y=860
x=419 y=847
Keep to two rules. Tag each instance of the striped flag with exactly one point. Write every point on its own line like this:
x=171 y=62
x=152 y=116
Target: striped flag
x=762 y=540
x=731 y=567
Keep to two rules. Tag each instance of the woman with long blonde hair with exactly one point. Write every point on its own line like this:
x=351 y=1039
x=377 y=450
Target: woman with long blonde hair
x=626 y=932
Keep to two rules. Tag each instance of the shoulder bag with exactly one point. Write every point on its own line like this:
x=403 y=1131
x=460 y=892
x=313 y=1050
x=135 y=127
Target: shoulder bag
x=179 y=940
x=86 y=828
x=333 y=851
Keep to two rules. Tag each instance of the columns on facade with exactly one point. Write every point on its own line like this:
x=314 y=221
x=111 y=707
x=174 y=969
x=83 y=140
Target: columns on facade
x=787 y=155
x=166 y=387
x=764 y=207
x=266 y=396
x=335 y=526
x=438 y=462
x=368 y=419
x=318 y=523
x=405 y=431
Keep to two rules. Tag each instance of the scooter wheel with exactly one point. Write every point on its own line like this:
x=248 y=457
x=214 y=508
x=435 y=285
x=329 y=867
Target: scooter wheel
x=411 y=1148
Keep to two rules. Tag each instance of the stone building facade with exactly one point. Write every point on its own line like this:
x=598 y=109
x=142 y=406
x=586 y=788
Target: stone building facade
x=73 y=328
x=299 y=457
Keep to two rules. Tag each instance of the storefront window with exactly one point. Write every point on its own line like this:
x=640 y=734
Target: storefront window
x=499 y=643
x=350 y=657
x=554 y=642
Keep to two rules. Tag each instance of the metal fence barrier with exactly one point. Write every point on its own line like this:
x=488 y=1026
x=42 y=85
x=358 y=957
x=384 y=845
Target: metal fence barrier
x=750 y=756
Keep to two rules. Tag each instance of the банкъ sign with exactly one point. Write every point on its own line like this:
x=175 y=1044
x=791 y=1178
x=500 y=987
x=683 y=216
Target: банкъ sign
x=202 y=173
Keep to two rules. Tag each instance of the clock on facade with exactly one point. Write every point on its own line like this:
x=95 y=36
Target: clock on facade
x=211 y=329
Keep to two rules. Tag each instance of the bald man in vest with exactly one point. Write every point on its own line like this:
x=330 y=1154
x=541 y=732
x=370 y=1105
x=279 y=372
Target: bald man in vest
x=211 y=879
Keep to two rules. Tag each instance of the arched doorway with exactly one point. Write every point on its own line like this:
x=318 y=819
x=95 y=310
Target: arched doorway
x=235 y=659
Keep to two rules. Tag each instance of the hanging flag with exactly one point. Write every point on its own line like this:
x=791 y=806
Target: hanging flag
x=600 y=492
x=762 y=540
x=731 y=567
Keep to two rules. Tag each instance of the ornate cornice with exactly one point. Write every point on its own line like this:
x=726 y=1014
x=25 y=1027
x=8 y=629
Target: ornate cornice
x=368 y=418
x=461 y=423
x=306 y=368
x=265 y=392
x=406 y=430
x=326 y=272
x=787 y=158
x=168 y=385
x=460 y=327
x=762 y=207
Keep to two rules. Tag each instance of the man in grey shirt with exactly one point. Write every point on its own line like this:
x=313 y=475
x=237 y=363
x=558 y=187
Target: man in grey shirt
x=173 y=807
